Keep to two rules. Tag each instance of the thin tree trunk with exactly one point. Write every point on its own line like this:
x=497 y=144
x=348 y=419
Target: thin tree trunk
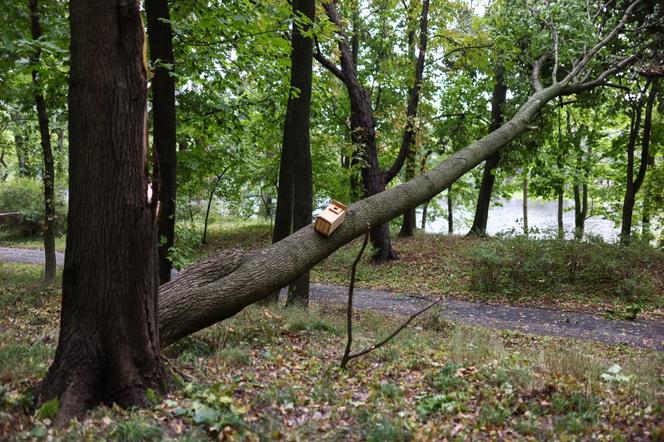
x=298 y=125
x=525 y=205
x=646 y=233
x=164 y=126
x=108 y=348
x=450 y=214
x=561 y=225
x=410 y=133
x=19 y=143
x=209 y=206
x=425 y=208
x=634 y=184
x=363 y=134
x=48 y=174
x=488 y=176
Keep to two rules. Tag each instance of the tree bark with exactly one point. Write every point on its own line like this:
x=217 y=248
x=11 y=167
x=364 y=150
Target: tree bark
x=19 y=144
x=223 y=285
x=561 y=200
x=363 y=134
x=634 y=183
x=525 y=205
x=164 y=126
x=580 y=209
x=108 y=347
x=425 y=206
x=48 y=173
x=498 y=98
x=450 y=214
x=295 y=192
x=298 y=138
x=408 y=142
x=209 y=206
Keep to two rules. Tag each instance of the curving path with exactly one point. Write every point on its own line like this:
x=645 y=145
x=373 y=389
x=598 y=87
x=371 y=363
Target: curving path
x=640 y=333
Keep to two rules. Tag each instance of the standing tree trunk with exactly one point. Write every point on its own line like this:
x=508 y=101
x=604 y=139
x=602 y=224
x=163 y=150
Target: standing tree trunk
x=580 y=209
x=108 y=347
x=425 y=206
x=410 y=133
x=646 y=233
x=634 y=184
x=163 y=112
x=363 y=132
x=19 y=143
x=559 y=211
x=295 y=192
x=488 y=176
x=525 y=204
x=48 y=174
x=297 y=128
x=450 y=214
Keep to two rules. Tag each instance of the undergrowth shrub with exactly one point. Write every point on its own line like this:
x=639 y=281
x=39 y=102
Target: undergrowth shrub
x=518 y=265
x=25 y=196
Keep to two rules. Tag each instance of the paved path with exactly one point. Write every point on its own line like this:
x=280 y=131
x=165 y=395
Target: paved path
x=28 y=256
x=646 y=334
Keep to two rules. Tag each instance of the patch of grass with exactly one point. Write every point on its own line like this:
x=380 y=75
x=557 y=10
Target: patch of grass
x=9 y=238
x=137 y=429
x=234 y=357
x=522 y=269
x=19 y=360
x=272 y=373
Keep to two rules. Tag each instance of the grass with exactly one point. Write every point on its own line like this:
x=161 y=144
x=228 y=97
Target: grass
x=272 y=373
x=15 y=240
x=622 y=282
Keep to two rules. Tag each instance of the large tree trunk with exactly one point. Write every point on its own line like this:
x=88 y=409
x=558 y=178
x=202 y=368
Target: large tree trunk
x=298 y=126
x=224 y=284
x=634 y=183
x=295 y=193
x=163 y=112
x=108 y=348
x=48 y=174
x=488 y=176
x=410 y=133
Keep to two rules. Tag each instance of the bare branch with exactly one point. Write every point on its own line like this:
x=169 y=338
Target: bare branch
x=535 y=75
x=580 y=66
x=378 y=345
x=601 y=79
x=328 y=64
x=349 y=310
x=556 y=54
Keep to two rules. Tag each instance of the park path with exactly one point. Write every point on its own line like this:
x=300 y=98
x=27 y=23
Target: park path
x=545 y=322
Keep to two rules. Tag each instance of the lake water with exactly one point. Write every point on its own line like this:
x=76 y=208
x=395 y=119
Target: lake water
x=542 y=215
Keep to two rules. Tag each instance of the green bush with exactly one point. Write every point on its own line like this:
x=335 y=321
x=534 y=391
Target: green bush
x=521 y=266
x=25 y=196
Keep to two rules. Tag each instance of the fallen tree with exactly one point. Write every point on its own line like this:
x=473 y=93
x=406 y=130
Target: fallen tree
x=223 y=284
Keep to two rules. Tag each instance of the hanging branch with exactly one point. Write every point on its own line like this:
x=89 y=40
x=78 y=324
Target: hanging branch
x=351 y=287
x=207 y=212
x=348 y=356
x=378 y=345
